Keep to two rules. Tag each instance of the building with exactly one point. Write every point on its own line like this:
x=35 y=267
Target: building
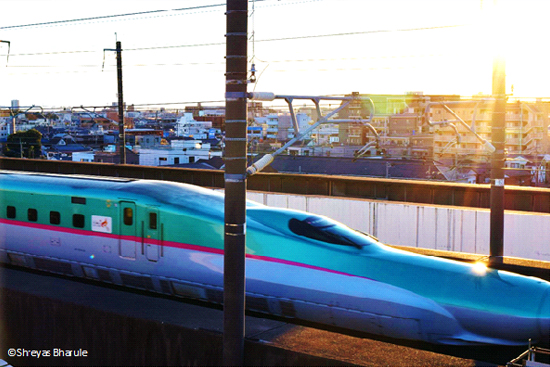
x=187 y=126
x=398 y=119
x=280 y=127
x=178 y=152
x=5 y=130
x=526 y=128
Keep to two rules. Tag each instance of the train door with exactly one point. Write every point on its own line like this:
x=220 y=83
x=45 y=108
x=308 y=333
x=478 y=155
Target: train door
x=152 y=234
x=127 y=242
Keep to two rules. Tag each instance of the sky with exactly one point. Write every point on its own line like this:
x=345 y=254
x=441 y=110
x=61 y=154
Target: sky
x=174 y=49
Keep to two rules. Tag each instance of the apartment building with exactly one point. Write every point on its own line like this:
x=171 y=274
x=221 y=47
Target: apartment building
x=526 y=128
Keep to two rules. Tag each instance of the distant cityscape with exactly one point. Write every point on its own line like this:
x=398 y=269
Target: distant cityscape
x=435 y=137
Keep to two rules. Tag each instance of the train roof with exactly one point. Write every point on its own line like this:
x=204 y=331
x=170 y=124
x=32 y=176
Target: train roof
x=158 y=192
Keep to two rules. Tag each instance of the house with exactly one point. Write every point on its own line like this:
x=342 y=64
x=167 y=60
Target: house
x=65 y=144
x=178 y=152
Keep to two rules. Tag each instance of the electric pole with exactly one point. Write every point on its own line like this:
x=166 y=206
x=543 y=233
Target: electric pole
x=235 y=181
x=498 y=137
x=121 y=135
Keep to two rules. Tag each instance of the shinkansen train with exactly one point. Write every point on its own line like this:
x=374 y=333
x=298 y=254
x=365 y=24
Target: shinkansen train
x=168 y=237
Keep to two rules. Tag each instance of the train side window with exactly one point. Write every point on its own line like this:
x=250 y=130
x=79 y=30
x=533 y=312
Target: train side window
x=78 y=220
x=128 y=216
x=152 y=220
x=32 y=215
x=78 y=200
x=10 y=211
x=55 y=218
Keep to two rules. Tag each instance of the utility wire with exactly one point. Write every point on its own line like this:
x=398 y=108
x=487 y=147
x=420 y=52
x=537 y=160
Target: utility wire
x=264 y=40
x=163 y=12
x=364 y=32
x=57 y=22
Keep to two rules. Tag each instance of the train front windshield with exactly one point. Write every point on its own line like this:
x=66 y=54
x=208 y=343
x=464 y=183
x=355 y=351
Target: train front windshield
x=326 y=230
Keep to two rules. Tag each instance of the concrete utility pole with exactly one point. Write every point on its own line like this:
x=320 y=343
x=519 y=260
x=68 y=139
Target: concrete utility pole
x=498 y=137
x=121 y=135
x=235 y=182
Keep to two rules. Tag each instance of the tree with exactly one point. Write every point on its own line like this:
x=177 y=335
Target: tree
x=24 y=144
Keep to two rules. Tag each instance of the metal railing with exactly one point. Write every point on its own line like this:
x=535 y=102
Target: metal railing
x=527 y=358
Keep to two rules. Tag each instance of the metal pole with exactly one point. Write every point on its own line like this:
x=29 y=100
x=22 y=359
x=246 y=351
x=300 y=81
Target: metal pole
x=9 y=47
x=498 y=136
x=121 y=135
x=235 y=182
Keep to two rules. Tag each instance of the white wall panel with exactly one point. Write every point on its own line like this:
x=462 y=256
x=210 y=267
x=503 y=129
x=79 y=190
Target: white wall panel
x=258 y=197
x=278 y=201
x=443 y=228
x=523 y=231
x=465 y=231
x=482 y=231
x=298 y=202
x=426 y=237
x=396 y=223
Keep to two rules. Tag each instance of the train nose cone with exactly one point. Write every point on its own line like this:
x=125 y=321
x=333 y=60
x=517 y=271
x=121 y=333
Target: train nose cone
x=544 y=318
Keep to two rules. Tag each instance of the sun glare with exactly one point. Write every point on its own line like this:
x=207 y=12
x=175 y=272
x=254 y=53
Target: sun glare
x=512 y=31
x=480 y=268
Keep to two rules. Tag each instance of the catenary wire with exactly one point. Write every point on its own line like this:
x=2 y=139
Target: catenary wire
x=155 y=12
x=261 y=40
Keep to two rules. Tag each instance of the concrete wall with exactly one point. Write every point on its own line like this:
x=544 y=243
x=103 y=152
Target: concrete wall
x=526 y=235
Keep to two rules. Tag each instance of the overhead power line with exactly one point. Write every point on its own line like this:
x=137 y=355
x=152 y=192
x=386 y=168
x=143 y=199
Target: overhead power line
x=364 y=32
x=260 y=40
x=160 y=12
x=57 y=22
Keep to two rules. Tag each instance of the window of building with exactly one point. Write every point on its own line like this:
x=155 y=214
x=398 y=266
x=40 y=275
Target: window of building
x=55 y=218
x=10 y=212
x=32 y=215
x=78 y=220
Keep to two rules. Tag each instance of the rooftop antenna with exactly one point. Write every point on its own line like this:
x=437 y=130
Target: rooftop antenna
x=9 y=47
